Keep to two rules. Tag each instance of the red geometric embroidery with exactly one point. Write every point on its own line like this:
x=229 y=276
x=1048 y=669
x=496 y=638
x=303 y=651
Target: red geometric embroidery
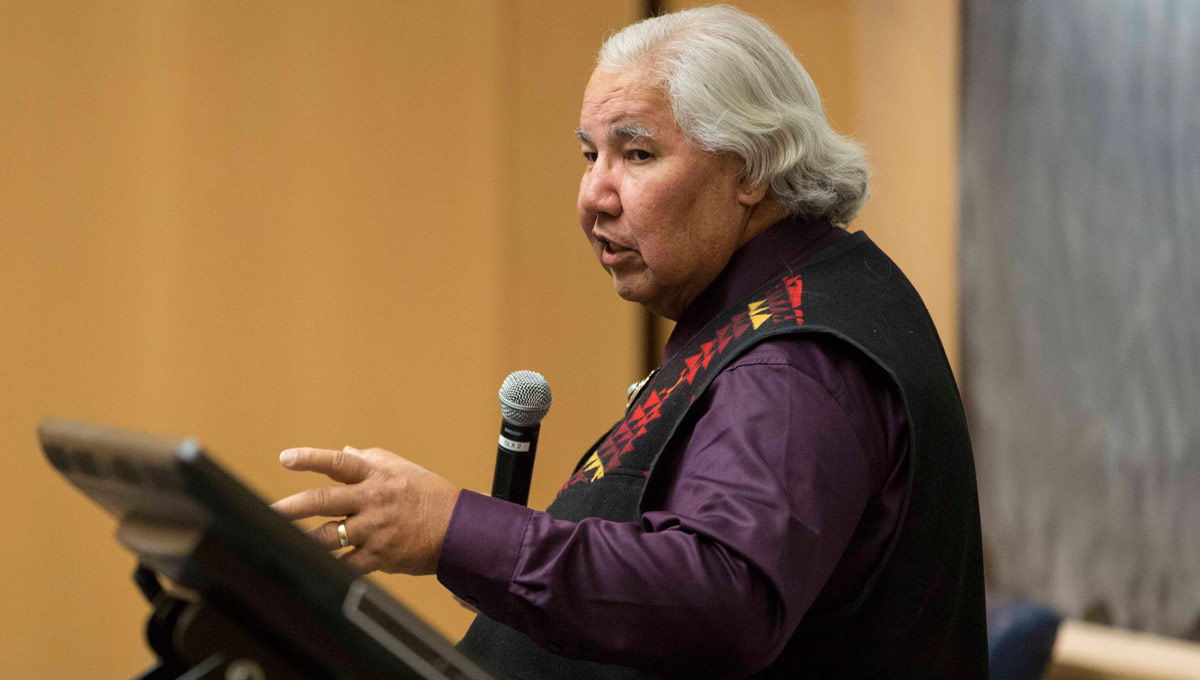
x=693 y=365
x=724 y=335
x=709 y=350
x=579 y=476
x=795 y=287
x=780 y=306
x=783 y=302
x=740 y=323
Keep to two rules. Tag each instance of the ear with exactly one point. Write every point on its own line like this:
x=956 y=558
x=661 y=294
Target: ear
x=751 y=195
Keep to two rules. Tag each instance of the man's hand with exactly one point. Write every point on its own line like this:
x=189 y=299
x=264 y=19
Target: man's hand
x=396 y=511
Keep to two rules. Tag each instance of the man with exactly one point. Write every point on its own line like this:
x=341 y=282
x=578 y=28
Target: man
x=792 y=494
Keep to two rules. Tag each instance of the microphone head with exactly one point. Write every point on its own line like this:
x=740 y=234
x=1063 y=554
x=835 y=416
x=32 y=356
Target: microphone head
x=524 y=398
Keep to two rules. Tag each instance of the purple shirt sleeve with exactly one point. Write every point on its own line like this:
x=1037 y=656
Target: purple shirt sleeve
x=755 y=512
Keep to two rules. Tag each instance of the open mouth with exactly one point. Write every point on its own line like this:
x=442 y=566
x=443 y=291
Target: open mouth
x=612 y=254
x=610 y=247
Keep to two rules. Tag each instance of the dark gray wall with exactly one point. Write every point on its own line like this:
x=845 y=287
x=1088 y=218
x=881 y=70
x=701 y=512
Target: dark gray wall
x=1081 y=302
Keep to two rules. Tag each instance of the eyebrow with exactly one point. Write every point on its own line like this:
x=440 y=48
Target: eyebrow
x=627 y=131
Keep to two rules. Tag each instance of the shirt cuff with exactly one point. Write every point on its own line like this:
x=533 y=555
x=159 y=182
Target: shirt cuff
x=479 y=553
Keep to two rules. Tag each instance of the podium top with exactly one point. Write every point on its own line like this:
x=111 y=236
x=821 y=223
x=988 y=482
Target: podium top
x=197 y=524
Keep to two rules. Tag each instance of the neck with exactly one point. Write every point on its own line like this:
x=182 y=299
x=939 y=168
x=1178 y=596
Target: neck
x=764 y=214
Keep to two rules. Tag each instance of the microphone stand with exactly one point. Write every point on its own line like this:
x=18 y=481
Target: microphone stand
x=195 y=640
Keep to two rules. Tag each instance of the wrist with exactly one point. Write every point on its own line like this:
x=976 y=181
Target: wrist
x=441 y=514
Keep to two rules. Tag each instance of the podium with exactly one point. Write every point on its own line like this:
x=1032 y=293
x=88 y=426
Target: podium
x=248 y=596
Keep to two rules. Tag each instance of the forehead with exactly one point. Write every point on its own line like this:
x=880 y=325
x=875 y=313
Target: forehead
x=615 y=98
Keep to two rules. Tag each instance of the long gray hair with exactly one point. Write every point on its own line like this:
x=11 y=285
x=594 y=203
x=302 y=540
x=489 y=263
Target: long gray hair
x=735 y=86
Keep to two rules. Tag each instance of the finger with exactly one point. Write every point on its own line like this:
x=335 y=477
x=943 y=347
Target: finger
x=342 y=466
x=360 y=560
x=349 y=449
x=327 y=536
x=323 y=501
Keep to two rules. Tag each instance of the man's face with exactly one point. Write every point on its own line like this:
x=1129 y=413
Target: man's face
x=663 y=217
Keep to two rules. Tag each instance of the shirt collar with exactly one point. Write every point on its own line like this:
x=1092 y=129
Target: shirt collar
x=786 y=241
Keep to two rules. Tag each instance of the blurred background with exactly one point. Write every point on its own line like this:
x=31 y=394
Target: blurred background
x=289 y=223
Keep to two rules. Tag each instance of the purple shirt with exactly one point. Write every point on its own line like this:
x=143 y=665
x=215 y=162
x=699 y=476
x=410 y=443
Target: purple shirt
x=777 y=497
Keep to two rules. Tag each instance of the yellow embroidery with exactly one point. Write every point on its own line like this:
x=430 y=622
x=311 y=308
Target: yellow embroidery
x=759 y=312
x=593 y=467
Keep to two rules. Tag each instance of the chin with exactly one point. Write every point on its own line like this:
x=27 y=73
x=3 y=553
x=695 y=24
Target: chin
x=627 y=293
x=631 y=293
x=630 y=290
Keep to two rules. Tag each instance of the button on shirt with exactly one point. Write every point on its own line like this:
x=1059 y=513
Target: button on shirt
x=777 y=498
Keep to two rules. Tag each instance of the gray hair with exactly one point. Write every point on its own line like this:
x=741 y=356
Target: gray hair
x=735 y=86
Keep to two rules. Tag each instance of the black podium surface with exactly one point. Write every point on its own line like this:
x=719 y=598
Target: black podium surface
x=252 y=596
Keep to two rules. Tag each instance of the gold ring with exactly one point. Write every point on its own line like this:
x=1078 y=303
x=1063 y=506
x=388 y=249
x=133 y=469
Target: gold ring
x=342 y=537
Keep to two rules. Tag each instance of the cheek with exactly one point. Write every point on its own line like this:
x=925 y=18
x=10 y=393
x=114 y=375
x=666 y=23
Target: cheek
x=666 y=243
x=653 y=208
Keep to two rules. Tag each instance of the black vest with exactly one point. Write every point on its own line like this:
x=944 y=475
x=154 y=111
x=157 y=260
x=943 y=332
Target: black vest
x=921 y=614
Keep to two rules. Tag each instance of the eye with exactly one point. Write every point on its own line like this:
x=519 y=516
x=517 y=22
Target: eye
x=639 y=155
x=590 y=156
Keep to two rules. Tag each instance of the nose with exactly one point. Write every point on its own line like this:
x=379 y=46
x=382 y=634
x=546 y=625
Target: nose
x=598 y=190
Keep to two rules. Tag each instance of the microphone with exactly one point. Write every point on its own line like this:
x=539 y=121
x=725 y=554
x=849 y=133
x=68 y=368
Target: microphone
x=524 y=401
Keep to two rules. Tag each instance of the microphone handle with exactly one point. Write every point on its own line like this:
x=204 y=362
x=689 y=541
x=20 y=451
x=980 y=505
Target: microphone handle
x=514 y=462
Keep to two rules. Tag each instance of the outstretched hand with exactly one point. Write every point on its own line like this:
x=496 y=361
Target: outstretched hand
x=396 y=511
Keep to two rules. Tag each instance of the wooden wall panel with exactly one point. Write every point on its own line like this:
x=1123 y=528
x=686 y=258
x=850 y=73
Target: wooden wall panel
x=273 y=224
x=907 y=118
